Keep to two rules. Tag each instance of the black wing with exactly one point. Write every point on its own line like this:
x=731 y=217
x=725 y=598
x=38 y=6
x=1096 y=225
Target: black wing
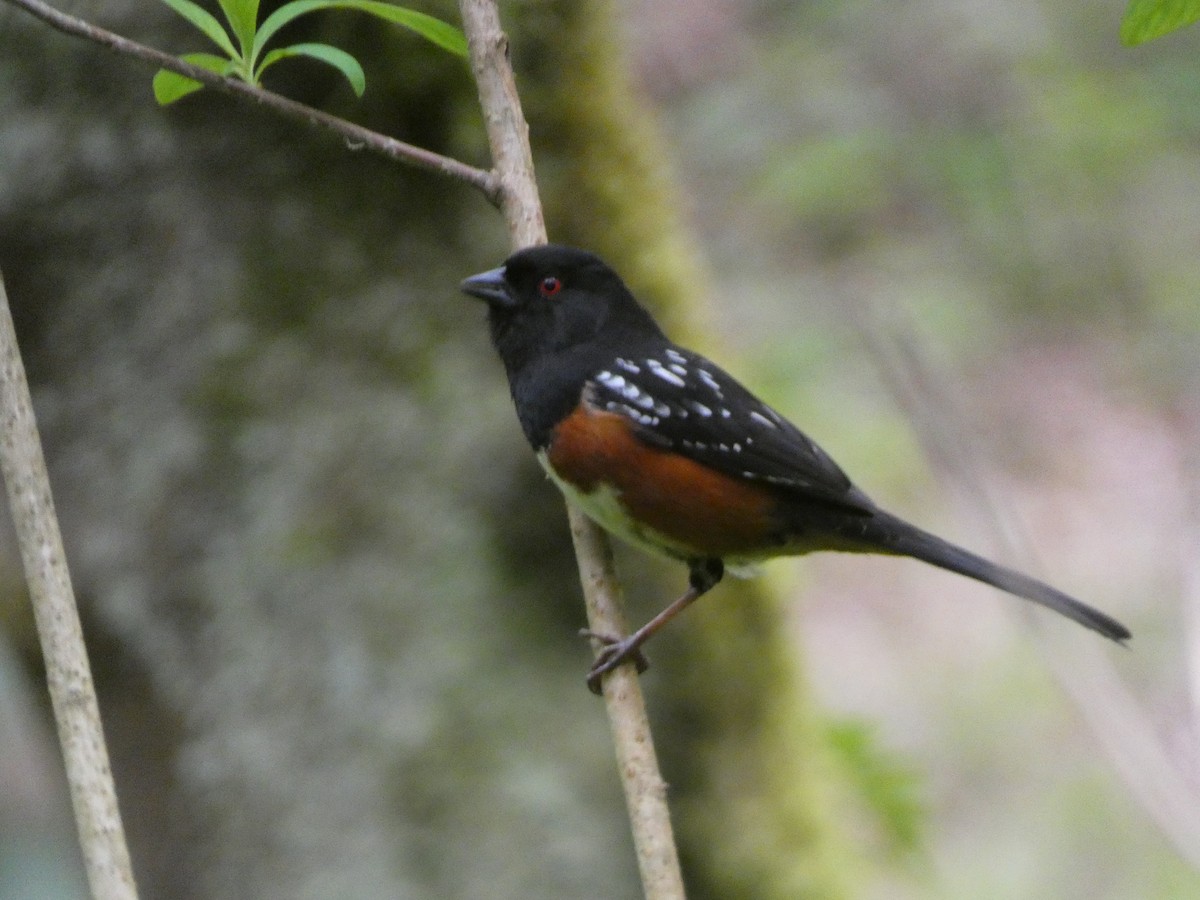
x=680 y=401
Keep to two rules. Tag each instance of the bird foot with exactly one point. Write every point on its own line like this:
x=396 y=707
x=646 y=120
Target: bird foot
x=613 y=652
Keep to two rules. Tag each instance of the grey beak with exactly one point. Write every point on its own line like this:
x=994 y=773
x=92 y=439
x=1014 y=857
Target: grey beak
x=489 y=286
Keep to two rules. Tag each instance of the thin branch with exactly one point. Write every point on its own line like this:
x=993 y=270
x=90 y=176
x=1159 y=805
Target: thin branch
x=355 y=135
x=645 y=790
x=68 y=674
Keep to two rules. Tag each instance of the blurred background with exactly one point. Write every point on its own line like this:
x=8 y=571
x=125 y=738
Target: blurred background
x=330 y=598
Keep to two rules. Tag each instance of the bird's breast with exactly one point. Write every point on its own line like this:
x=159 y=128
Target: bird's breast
x=655 y=498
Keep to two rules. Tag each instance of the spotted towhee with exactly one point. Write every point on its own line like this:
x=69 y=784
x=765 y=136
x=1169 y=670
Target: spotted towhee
x=669 y=452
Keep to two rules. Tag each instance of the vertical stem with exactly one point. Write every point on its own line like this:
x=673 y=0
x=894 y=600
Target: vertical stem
x=645 y=790
x=507 y=130
x=637 y=763
x=68 y=674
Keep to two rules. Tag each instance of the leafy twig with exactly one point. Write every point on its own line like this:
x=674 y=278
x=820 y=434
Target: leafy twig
x=247 y=62
x=645 y=791
x=68 y=674
x=355 y=135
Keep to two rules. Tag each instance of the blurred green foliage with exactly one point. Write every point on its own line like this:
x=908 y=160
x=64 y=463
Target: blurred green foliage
x=887 y=783
x=1148 y=19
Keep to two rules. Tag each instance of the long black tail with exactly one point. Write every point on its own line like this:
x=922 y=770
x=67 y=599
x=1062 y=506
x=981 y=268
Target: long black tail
x=890 y=534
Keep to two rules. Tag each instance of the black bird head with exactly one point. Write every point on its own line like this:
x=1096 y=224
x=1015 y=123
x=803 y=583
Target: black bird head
x=544 y=301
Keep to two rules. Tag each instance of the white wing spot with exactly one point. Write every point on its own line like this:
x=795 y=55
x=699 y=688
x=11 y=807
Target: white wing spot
x=711 y=382
x=678 y=370
x=700 y=408
x=665 y=374
x=626 y=410
x=725 y=414
x=774 y=479
x=630 y=367
x=762 y=420
x=675 y=356
x=630 y=391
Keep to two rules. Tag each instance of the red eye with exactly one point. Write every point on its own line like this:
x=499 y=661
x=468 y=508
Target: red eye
x=549 y=286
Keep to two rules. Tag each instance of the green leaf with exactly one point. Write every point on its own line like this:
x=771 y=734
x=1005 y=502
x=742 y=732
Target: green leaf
x=434 y=30
x=206 y=22
x=171 y=86
x=243 y=18
x=1148 y=19
x=339 y=59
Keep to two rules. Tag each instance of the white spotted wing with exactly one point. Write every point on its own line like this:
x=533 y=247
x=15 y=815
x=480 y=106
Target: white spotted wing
x=682 y=402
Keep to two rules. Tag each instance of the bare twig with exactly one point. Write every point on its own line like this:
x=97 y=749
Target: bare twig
x=68 y=673
x=355 y=135
x=645 y=791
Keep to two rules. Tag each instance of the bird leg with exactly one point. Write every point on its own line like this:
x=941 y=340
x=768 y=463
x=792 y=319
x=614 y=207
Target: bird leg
x=703 y=576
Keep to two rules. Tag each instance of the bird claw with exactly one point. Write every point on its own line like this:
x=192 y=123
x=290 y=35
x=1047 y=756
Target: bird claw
x=613 y=652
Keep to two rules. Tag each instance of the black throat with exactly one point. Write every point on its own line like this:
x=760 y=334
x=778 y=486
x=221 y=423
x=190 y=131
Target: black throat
x=547 y=377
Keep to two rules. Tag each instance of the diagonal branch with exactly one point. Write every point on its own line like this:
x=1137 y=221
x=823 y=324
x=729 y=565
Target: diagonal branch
x=68 y=673
x=355 y=135
x=645 y=790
